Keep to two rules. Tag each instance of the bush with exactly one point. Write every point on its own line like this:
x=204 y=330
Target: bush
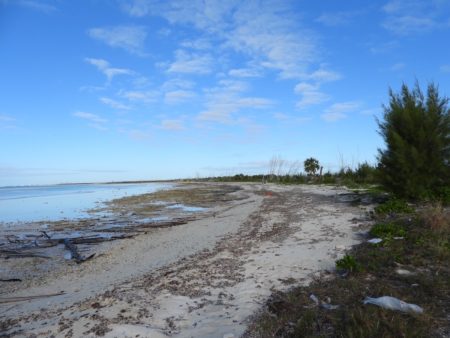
x=387 y=230
x=416 y=161
x=394 y=205
x=348 y=263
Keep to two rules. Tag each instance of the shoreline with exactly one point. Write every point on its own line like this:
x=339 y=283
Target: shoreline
x=204 y=278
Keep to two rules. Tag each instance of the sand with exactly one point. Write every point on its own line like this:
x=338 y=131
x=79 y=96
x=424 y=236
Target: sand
x=205 y=278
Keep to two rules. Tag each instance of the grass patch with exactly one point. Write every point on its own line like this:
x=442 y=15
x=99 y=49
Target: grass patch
x=424 y=252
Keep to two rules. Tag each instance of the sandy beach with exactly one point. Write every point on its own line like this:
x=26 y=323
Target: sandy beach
x=203 y=278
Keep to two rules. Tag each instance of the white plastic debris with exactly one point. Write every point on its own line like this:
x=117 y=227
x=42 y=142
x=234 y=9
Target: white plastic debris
x=403 y=272
x=327 y=306
x=393 y=303
x=314 y=299
x=340 y=247
x=375 y=240
x=68 y=255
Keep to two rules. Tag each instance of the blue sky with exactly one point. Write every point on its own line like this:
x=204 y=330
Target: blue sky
x=100 y=90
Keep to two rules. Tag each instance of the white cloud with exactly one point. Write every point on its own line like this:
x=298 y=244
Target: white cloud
x=281 y=116
x=140 y=96
x=310 y=95
x=406 y=24
x=274 y=39
x=398 y=66
x=36 y=5
x=177 y=84
x=334 y=19
x=193 y=63
x=90 y=117
x=445 y=68
x=175 y=125
x=323 y=75
x=198 y=44
x=407 y=17
x=6 y=118
x=114 y=104
x=130 y=38
x=178 y=96
x=339 y=111
x=244 y=72
x=226 y=100
x=104 y=67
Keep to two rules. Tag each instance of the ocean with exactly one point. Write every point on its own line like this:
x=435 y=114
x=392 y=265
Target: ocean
x=64 y=201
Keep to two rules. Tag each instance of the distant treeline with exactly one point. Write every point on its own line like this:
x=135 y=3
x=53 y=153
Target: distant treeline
x=364 y=174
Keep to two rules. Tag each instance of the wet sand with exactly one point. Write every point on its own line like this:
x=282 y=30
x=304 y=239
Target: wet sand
x=204 y=278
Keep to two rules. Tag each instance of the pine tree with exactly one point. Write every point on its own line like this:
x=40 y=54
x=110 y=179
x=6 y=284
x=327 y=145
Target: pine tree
x=416 y=161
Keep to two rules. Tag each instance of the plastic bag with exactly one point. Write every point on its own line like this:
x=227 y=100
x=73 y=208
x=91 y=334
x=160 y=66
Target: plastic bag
x=393 y=303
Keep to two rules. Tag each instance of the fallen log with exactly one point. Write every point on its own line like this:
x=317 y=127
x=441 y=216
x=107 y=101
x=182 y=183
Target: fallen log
x=74 y=252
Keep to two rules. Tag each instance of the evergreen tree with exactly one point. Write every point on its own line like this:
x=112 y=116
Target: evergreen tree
x=416 y=161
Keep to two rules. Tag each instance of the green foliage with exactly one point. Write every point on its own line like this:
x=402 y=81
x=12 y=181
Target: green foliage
x=394 y=205
x=348 y=263
x=388 y=230
x=311 y=166
x=416 y=130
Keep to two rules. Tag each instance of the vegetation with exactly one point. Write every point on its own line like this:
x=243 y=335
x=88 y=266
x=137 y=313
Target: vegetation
x=413 y=268
x=393 y=205
x=311 y=166
x=416 y=161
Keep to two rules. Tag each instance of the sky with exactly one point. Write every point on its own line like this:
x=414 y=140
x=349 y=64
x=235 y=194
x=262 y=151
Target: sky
x=97 y=90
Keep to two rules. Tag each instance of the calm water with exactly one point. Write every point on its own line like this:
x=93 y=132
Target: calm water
x=56 y=202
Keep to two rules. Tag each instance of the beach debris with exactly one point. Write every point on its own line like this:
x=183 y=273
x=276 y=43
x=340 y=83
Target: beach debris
x=375 y=240
x=314 y=298
x=74 y=252
x=404 y=272
x=392 y=303
x=340 y=247
x=25 y=298
x=327 y=306
x=11 y=280
x=324 y=305
x=8 y=253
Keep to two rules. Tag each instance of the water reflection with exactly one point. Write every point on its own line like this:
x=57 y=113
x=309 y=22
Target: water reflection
x=68 y=201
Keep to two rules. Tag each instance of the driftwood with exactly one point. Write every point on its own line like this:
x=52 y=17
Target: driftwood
x=74 y=252
x=8 y=253
x=25 y=298
x=29 y=245
x=11 y=280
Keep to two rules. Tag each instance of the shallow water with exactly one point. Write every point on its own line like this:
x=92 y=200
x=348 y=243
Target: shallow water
x=67 y=201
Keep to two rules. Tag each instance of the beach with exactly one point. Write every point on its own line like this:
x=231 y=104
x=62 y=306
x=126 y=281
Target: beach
x=205 y=276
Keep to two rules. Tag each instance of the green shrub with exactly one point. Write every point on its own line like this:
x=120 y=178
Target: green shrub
x=387 y=230
x=348 y=263
x=394 y=205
